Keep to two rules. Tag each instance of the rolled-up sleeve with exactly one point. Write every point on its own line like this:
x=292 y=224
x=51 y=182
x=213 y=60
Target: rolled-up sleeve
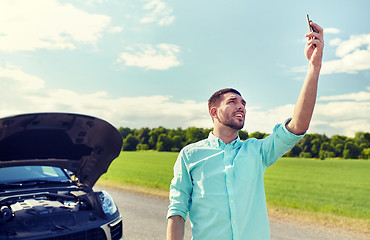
x=278 y=143
x=180 y=188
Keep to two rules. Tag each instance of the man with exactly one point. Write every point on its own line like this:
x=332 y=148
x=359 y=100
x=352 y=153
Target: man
x=219 y=180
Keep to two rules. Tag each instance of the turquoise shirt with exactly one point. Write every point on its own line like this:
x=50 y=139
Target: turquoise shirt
x=221 y=185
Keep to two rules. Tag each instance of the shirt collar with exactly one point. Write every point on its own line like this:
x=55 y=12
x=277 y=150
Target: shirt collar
x=218 y=143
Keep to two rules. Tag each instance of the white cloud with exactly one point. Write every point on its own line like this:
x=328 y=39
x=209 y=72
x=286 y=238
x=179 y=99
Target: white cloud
x=331 y=31
x=261 y=120
x=115 y=29
x=341 y=117
x=353 y=55
x=47 y=24
x=134 y=112
x=342 y=114
x=349 y=46
x=93 y=2
x=346 y=113
x=158 y=12
x=359 y=96
x=12 y=78
x=158 y=57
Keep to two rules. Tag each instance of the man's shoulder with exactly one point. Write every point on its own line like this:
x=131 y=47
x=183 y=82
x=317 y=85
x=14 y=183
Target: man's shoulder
x=202 y=144
x=198 y=150
x=196 y=147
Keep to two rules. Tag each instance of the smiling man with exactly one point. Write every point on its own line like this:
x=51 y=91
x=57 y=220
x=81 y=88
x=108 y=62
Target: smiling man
x=219 y=180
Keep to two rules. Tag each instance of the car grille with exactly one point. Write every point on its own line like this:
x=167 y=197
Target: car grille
x=116 y=230
x=91 y=234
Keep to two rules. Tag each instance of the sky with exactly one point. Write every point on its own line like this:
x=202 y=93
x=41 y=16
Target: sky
x=151 y=63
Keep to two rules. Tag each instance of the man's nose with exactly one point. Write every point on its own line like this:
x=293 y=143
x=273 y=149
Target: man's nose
x=241 y=106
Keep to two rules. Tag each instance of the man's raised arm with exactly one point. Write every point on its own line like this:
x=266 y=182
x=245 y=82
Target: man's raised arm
x=306 y=101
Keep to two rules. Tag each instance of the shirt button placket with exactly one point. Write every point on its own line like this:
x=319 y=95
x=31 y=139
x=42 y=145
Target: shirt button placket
x=229 y=173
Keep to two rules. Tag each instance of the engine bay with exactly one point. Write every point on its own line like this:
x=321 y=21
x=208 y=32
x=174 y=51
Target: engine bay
x=43 y=213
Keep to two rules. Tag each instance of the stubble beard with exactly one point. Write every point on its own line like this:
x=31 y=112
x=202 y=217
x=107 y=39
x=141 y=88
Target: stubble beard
x=233 y=123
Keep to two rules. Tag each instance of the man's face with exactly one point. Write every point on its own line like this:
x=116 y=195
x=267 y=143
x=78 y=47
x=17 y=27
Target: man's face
x=231 y=111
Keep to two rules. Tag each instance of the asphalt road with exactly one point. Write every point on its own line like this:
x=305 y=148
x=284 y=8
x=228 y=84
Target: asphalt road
x=145 y=219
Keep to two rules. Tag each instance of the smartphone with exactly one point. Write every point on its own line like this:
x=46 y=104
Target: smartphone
x=310 y=28
x=308 y=22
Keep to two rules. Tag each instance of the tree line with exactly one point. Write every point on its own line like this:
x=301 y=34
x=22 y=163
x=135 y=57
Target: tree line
x=311 y=145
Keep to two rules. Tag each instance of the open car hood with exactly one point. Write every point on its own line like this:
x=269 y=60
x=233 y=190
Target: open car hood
x=82 y=144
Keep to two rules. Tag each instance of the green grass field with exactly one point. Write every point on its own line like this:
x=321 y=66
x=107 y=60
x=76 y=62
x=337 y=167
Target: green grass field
x=147 y=169
x=336 y=187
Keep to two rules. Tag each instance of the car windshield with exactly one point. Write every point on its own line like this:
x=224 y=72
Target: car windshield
x=31 y=173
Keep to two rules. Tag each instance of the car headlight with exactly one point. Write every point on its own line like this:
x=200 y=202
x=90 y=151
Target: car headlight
x=107 y=204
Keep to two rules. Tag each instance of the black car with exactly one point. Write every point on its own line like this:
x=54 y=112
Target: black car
x=49 y=163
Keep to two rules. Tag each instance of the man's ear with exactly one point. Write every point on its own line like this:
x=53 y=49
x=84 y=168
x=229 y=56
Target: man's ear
x=213 y=112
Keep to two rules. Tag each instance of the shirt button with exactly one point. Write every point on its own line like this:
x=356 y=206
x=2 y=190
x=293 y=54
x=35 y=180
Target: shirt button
x=228 y=181
x=234 y=222
x=231 y=201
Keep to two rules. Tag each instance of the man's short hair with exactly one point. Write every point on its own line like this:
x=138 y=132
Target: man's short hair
x=215 y=99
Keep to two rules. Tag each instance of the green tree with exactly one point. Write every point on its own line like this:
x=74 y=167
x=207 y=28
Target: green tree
x=164 y=143
x=365 y=153
x=362 y=139
x=294 y=152
x=351 y=150
x=326 y=154
x=194 y=134
x=130 y=143
x=337 y=139
x=243 y=135
x=305 y=143
x=142 y=147
x=124 y=131
x=338 y=149
x=337 y=143
x=177 y=144
x=177 y=132
x=178 y=137
x=154 y=134
x=326 y=151
x=258 y=135
x=206 y=132
x=316 y=145
x=312 y=145
x=143 y=135
x=305 y=155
